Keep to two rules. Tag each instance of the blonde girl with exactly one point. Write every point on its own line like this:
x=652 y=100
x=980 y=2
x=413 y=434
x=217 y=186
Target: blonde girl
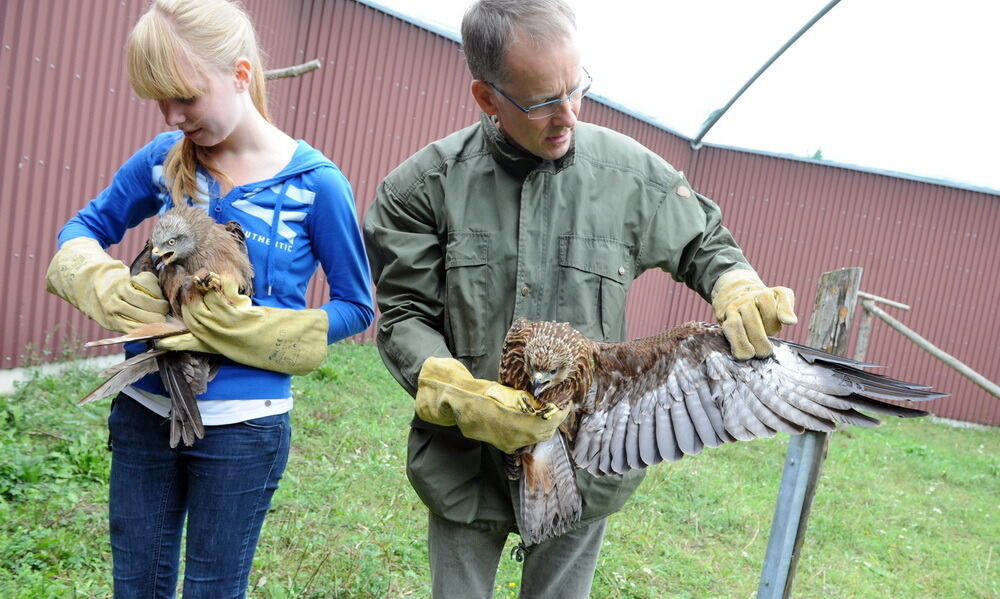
x=199 y=60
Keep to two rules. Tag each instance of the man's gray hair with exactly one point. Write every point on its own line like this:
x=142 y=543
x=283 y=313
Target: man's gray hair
x=489 y=26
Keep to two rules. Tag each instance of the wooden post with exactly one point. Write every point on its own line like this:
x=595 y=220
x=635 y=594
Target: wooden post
x=864 y=333
x=865 y=326
x=829 y=330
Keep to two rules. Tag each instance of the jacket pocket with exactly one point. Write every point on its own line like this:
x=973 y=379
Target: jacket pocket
x=594 y=276
x=468 y=291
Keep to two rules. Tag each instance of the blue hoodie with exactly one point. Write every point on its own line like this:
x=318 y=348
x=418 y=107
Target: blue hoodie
x=301 y=217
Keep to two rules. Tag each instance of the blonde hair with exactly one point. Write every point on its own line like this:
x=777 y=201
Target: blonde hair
x=171 y=48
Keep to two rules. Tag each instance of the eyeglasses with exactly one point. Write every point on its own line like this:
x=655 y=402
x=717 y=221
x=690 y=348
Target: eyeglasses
x=550 y=107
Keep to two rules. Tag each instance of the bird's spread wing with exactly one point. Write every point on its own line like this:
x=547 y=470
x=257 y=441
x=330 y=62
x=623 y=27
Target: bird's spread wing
x=663 y=397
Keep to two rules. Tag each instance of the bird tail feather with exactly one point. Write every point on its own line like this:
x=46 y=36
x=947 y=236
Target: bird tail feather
x=123 y=374
x=550 y=498
x=185 y=418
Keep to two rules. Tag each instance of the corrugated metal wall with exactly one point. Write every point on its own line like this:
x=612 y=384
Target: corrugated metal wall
x=388 y=87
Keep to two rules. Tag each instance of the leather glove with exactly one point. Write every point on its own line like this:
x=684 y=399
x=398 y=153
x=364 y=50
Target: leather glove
x=749 y=311
x=448 y=394
x=225 y=322
x=102 y=288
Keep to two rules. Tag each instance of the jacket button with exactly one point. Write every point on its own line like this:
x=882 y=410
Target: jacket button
x=621 y=270
x=525 y=291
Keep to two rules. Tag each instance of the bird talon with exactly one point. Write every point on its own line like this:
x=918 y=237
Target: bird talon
x=209 y=281
x=548 y=411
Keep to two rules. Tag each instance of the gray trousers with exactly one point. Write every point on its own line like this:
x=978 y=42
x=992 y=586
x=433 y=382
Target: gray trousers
x=464 y=562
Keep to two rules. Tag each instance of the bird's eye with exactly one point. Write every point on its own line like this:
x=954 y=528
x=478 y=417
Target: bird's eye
x=553 y=371
x=171 y=241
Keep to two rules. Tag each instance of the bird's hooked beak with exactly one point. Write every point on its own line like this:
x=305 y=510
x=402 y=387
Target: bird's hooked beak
x=539 y=382
x=161 y=258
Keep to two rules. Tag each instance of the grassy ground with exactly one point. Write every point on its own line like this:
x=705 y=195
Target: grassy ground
x=908 y=510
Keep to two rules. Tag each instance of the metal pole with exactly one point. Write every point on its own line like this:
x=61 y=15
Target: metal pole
x=715 y=116
x=829 y=329
x=803 y=463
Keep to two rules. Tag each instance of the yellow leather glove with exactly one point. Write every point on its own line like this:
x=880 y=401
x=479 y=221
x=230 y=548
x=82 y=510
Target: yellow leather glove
x=279 y=339
x=749 y=311
x=448 y=394
x=83 y=274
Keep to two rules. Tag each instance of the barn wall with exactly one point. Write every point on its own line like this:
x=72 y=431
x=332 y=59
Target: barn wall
x=386 y=88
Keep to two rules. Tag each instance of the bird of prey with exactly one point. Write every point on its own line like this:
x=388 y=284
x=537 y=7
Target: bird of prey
x=637 y=403
x=190 y=253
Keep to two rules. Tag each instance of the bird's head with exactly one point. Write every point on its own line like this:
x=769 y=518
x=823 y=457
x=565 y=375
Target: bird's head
x=172 y=241
x=551 y=355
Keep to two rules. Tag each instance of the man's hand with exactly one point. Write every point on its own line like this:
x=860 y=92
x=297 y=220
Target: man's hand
x=226 y=322
x=448 y=394
x=749 y=311
x=102 y=288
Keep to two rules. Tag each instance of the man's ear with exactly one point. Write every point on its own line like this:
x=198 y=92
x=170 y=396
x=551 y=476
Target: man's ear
x=484 y=96
x=243 y=71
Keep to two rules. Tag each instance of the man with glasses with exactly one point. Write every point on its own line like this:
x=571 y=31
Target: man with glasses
x=529 y=213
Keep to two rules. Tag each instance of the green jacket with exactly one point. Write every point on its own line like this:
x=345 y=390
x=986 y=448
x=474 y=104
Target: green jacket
x=470 y=233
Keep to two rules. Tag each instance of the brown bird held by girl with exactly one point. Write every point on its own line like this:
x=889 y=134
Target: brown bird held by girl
x=190 y=254
x=637 y=403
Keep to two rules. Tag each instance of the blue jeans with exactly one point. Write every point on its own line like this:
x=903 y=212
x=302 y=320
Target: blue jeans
x=223 y=484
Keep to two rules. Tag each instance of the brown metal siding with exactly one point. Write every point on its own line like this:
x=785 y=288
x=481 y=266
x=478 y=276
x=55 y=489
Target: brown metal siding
x=68 y=123
x=388 y=87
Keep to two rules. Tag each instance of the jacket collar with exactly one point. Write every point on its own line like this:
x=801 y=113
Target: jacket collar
x=517 y=162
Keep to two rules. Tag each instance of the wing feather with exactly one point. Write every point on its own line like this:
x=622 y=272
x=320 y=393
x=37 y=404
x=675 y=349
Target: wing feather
x=632 y=444
x=613 y=439
x=687 y=440
x=648 y=454
x=783 y=406
x=714 y=414
x=694 y=402
x=684 y=392
x=761 y=420
x=666 y=444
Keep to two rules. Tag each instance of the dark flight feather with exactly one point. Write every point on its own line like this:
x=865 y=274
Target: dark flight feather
x=638 y=403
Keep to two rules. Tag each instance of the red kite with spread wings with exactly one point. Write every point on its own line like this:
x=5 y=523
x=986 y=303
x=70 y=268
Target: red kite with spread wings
x=638 y=403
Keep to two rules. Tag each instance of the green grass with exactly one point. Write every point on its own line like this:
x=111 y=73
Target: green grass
x=908 y=510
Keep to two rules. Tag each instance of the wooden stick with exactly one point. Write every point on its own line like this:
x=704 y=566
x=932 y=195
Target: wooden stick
x=989 y=386
x=882 y=300
x=292 y=71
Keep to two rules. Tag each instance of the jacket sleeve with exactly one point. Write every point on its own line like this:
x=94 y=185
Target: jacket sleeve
x=686 y=238
x=407 y=261
x=337 y=242
x=131 y=198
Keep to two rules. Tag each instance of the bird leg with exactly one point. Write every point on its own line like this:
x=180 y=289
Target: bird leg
x=206 y=281
x=201 y=283
x=528 y=404
x=548 y=411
